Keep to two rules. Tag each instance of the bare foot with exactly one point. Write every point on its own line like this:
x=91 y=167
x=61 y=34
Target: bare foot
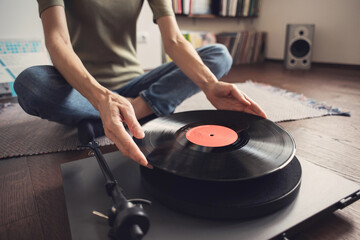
x=140 y=107
x=130 y=99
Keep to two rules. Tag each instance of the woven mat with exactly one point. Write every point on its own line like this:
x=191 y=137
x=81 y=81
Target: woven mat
x=24 y=135
x=279 y=104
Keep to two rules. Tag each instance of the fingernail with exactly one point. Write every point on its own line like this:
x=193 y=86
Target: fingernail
x=149 y=166
x=140 y=134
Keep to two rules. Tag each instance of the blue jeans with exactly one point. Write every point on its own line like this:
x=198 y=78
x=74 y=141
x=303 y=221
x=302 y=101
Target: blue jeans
x=43 y=92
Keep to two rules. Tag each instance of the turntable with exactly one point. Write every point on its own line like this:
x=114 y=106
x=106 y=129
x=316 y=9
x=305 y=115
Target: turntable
x=217 y=175
x=220 y=164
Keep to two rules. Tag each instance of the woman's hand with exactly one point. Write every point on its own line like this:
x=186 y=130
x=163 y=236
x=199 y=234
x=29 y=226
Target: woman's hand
x=226 y=96
x=114 y=111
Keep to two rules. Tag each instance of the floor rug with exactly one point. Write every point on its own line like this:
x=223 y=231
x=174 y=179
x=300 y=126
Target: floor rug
x=24 y=135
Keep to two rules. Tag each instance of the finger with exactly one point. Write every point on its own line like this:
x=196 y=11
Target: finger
x=131 y=150
x=258 y=110
x=249 y=110
x=126 y=145
x=132 y=123
x=239 y=96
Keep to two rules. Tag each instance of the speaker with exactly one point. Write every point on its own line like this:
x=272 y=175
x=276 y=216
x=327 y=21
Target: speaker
x=298 y=46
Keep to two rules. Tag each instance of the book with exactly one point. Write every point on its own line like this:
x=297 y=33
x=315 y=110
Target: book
x=236 y=45
x=246 y=7
x=257 y=48
x=226 y=39
x=202 y=7
x=232 y=8
x=186 y=7
x=250 y=47
x=179 y=7
x=239 y=8
x=240 y=49
x=251 y=8
x=256 y=8
x=244 y=46
x=223 y=8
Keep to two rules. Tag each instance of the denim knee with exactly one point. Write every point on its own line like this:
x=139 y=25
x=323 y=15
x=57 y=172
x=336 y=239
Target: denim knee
x=24 y=87
x=33 y=86
x=25 y=80
x=36 y=77
x=217 y=58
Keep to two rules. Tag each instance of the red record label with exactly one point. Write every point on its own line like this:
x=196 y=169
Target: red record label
x=211 y=135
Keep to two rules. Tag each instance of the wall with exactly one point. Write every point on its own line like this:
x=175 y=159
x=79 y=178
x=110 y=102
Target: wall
x=20 y=19
x=337 y=27
x=149 y=49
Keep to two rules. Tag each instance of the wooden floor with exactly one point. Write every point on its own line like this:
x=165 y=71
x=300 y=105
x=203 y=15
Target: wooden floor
x=32 y=204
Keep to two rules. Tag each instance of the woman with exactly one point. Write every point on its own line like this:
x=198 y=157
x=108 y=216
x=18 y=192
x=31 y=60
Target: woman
x=96 y=75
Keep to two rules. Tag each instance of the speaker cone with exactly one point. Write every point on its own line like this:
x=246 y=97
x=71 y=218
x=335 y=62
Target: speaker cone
x=300 y=48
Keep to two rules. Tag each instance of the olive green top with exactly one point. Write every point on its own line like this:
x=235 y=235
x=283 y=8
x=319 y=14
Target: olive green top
x=103 y=35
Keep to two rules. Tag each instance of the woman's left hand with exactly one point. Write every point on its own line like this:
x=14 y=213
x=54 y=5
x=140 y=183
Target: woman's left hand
x=226 y=96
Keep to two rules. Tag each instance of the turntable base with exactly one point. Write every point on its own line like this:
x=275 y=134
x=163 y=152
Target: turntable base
x=321 y=192
x=225 y=199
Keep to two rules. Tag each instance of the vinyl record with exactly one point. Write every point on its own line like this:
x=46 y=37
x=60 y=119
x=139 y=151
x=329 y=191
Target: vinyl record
x=216 y=145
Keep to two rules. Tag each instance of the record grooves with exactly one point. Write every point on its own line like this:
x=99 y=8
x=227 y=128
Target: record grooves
x=220 y=164
x=262 y=147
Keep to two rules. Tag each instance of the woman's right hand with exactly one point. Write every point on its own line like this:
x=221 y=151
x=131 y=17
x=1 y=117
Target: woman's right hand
x=116 y=110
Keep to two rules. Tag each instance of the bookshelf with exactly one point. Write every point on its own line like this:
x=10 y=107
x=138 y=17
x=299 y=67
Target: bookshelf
x=209 y=16
x=245 y=46
x=216 y=8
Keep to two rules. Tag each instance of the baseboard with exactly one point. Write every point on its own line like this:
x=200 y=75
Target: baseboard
x=322 y=64
x=9 y=99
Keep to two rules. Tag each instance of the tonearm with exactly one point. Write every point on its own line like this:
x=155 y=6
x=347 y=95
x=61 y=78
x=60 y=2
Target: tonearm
x=127 y=218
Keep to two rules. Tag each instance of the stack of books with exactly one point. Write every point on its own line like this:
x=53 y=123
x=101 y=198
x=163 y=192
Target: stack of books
x=224 y=8
x=183 y=6
x=195 y=7
x=197 y=39
x=239 y=8
x=245 y=46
